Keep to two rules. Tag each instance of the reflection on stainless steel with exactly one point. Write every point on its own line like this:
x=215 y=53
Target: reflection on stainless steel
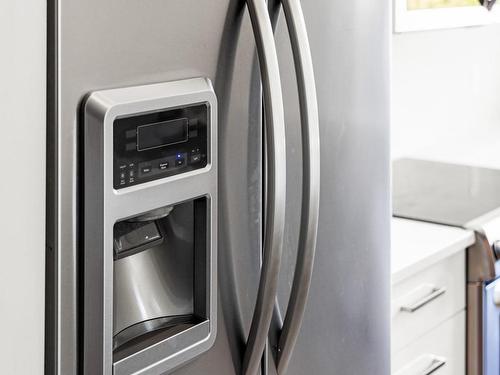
x=475 y=328
x=276 y=185
x=156 y=214
x=148 y=326
x=157 y=282
x=310 y=182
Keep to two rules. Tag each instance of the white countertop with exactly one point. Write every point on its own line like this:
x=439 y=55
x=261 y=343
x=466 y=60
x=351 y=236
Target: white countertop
x=417 y=245
x=477 y=149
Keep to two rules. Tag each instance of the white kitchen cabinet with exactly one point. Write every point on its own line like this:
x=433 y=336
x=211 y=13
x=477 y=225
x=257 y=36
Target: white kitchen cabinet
x=428 y=298
x=440 y=352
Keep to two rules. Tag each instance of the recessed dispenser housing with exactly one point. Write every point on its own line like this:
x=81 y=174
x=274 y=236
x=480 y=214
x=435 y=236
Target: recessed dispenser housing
x=149 y=227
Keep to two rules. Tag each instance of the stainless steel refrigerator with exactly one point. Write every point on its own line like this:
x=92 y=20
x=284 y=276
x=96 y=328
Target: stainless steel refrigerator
x=218 y=187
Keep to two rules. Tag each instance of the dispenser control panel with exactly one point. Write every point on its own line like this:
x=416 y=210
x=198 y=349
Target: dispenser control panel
x=162 y=134
x=160 y=144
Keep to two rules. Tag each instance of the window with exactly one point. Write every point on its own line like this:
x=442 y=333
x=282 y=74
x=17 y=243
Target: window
x=413 y=15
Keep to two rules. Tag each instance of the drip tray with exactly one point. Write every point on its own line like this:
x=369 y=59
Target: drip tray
x=146 y=334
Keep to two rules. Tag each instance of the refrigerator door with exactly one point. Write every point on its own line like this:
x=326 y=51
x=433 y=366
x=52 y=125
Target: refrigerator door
x=346 y=323
x=95 y=45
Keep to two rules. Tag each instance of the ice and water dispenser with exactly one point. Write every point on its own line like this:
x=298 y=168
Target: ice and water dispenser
x=149 y=227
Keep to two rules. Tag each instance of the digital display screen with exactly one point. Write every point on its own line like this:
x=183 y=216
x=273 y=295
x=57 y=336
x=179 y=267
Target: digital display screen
x=162 y=134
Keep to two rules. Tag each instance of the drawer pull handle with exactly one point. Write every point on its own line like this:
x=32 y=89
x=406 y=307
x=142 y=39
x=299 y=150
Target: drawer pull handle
x=435 y=293
x=436 y=364
x=424 y=365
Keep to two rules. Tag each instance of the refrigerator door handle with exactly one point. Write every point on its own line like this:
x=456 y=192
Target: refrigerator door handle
x=310 y=184
x=276 y=185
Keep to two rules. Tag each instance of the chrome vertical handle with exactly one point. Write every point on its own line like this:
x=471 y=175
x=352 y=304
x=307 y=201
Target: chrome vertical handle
x=310 y=183
x=276 y=185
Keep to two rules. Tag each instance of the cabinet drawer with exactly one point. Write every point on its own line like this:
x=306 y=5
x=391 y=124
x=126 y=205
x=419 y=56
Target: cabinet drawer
x=439 y=352
x=423 y=301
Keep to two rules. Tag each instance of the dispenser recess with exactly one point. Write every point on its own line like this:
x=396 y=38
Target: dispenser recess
x=149 y=227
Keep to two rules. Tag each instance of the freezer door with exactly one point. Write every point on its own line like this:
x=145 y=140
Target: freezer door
x=96 y=45
x=346 y=324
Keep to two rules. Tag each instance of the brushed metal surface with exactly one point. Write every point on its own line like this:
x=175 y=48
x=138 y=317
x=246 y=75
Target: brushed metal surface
x=310 y=183
x=481 y=261
x=483 y=329
x=275 y=185
x=165 y=349
x=475 y=319
x=104 y=206
x=157 y=282
x=138 y=335
x=346 y=323
x=344 y=327
x=202 y=38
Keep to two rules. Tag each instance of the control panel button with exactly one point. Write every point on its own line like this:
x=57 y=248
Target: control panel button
x=146 y=169
x=180 y=159
x=122 y=175
x=195 y=158
x=131 y=173
x=131 y=133
x=163 y=165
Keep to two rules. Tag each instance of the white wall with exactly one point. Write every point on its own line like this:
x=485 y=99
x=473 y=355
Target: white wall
x=22 y=186
x=446 y=95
